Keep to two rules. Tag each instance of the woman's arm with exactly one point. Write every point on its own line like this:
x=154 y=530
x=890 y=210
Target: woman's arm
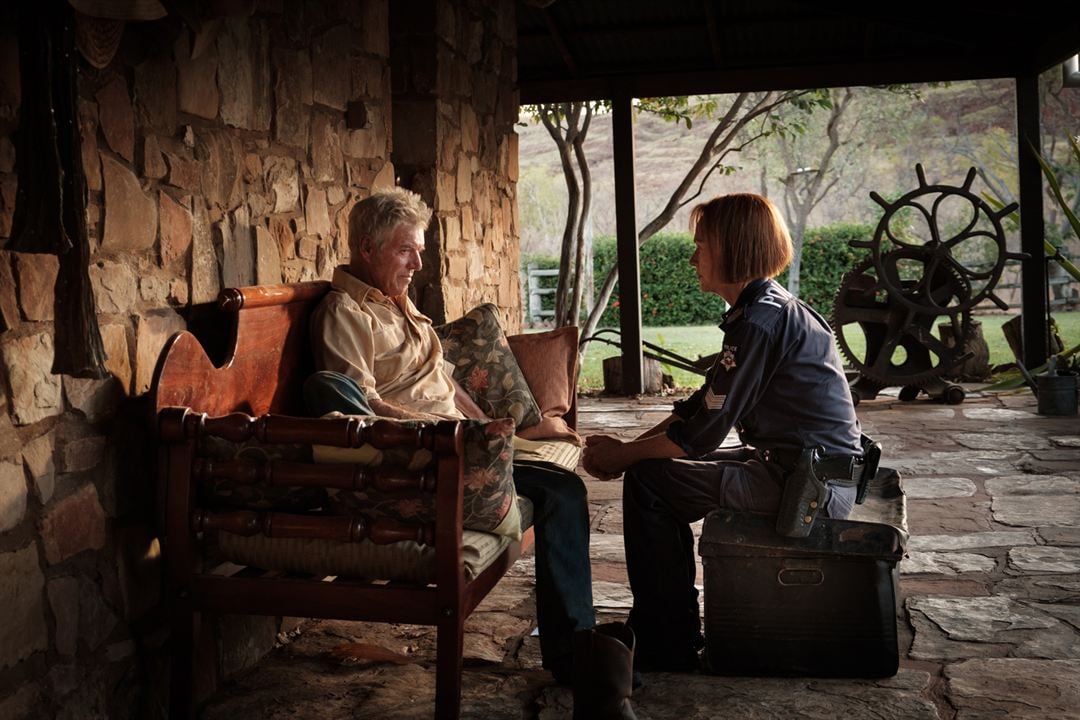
x=659 y=428
x=607 y=457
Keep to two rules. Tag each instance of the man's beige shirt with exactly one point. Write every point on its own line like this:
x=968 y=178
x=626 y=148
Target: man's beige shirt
x=385 y=344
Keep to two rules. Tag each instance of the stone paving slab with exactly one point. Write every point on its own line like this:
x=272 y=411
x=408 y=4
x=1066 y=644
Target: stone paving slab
x=1014 y=688
x=969 y=541
x=950 y=628
x=1032 y=485
x=940 y=563
x=1038 y=510
x=1044 y=559
x=938 y=487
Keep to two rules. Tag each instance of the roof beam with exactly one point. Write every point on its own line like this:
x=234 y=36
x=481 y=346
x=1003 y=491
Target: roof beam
x=560 y=43
x=714 y=33
x=676 y=82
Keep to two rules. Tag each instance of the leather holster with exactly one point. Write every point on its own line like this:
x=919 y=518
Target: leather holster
x=804 y=496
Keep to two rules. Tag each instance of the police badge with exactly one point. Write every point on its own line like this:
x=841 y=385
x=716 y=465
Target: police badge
x=727 y=358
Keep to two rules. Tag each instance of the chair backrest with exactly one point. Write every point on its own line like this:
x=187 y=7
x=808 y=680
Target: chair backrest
x=269 y=355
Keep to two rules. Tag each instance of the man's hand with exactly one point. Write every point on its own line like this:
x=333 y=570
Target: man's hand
x=602 y=457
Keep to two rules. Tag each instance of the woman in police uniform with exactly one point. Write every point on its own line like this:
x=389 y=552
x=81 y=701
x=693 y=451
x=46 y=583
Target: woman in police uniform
x=778 y=380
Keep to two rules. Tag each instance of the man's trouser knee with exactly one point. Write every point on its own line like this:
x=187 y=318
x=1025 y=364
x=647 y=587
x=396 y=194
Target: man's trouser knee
x=327 y=391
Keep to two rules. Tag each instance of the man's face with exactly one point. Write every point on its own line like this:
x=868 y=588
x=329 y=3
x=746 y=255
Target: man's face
x=390 y=267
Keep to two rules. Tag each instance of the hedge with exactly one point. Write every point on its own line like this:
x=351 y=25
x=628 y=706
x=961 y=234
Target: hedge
x=670 y=295
x=669 y=287
x=826 y=257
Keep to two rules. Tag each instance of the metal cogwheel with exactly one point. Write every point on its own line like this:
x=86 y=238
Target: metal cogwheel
x=900 y=347
x=937 y=227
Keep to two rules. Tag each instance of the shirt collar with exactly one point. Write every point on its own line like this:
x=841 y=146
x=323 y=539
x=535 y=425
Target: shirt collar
x=360 y=291
x=748 y=293
x=354 y=287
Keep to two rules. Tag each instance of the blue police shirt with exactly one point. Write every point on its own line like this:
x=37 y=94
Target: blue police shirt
x=778 y=380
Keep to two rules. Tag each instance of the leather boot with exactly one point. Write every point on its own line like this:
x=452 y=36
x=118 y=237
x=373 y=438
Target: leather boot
x=603 y=669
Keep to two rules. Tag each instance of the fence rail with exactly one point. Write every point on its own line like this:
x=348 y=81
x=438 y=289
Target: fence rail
x=537 y=311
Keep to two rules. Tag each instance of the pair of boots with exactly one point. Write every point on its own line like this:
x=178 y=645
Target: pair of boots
x=603 y=672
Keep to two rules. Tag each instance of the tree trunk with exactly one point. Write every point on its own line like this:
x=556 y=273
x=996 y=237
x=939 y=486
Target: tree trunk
x=801 y=198
x=795 y=267
x=552 y=117
x=579 y=269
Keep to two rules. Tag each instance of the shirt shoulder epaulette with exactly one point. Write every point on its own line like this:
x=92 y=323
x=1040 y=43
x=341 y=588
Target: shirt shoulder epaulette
x=767 y=306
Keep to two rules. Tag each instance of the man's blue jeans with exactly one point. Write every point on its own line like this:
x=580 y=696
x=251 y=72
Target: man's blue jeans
x=560 y=518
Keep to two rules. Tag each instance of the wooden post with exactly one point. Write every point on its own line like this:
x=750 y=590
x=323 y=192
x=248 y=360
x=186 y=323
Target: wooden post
x=627 y=243
x=1033 y=274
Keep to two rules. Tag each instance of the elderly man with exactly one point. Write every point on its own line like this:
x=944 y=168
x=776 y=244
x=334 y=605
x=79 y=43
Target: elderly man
x=378 y=355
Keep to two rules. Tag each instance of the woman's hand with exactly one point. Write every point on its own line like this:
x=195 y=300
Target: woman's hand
x=602 y=458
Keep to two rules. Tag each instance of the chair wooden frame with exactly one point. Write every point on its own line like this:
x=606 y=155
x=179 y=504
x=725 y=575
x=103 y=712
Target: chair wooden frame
x=255 y=395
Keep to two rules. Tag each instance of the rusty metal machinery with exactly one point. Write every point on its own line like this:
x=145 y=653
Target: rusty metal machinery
x=938 y=251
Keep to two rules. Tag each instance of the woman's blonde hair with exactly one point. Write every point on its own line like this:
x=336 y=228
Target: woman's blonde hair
x=747 y=234
x=377 y=215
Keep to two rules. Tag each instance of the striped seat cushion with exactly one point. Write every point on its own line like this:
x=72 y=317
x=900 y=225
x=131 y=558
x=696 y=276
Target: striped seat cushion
x=401 y=562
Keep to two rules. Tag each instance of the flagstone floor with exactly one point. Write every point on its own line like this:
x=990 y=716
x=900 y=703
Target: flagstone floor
x=990 y=623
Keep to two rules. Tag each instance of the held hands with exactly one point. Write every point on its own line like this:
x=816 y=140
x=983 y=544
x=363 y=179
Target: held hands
x=602 y=457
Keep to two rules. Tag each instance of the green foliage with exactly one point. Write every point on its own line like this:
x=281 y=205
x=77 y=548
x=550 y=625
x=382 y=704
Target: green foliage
x=1055 y=185
x=826 y=257
x=669 y=287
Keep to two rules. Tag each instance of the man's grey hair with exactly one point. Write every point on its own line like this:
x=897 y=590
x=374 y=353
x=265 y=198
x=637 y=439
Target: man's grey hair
x=377 y=215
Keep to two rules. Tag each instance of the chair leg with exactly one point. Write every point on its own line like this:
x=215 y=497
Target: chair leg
x=182 y=638
x=451 y=645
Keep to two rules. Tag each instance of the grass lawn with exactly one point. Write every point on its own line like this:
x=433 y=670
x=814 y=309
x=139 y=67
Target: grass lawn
x=692 y=342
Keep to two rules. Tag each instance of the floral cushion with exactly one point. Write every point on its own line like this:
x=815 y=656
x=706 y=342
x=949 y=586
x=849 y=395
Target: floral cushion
x=224 y=494
x=485 y=366
x=489 y=496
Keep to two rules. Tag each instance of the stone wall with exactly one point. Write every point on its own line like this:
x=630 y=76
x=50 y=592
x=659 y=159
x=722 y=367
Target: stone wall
x=234 y=167
x=454 y=70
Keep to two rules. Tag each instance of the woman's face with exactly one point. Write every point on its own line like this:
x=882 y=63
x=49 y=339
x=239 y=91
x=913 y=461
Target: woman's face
x=706 y=263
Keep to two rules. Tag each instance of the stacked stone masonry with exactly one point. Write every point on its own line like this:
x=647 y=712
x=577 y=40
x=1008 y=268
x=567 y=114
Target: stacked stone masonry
x=226 y=157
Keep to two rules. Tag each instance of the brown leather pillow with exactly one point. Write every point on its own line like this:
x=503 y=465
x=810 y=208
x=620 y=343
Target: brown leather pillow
x=549 y=362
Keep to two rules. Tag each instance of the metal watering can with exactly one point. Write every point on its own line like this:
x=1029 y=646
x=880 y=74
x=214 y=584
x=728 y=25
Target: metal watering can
x=1056 y=392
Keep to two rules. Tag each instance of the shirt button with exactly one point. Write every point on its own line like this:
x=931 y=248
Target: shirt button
x=813 y=504
x=808 y=519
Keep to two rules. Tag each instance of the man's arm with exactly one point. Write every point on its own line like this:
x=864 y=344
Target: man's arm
x=383 y=408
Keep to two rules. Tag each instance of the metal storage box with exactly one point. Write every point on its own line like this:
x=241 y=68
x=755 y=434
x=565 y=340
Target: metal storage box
x=820 y=606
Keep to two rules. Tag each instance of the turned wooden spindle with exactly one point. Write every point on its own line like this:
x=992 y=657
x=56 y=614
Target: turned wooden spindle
x=237 y=426
x=384 y=433
x=297 y=474
x=321 y=527
x=173 y=422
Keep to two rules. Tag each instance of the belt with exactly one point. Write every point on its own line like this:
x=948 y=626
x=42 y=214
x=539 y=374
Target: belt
x=842 y=470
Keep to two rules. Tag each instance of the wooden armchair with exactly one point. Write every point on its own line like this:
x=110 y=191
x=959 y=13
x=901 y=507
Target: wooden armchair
x=255 y=395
